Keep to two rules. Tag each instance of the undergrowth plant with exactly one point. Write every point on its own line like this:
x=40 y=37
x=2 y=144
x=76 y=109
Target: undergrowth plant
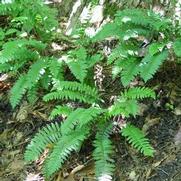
x=143 y=44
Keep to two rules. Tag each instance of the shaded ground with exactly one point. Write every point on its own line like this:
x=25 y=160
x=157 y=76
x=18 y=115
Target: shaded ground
x=161 y=122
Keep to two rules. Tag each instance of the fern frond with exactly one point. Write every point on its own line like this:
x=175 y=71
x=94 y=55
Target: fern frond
x=177 y=47
x=104 y=164
x=124 y=107
x=5 y=67
x=20 y=50
x=62 y=150
x=148 y=18
x=55 y=68
x=68 y=95
x=148 y=68
x=78 y=68
x=32 y=94
x=18 y=90
x=137 y=139
x=108 y=30
x=73 y=91
x=80 y=117
x=76 y=86
x=122 y=51
x=35 y=72
x=48 y=135
x=138 y=93
x=60 y=110
x=130 y=70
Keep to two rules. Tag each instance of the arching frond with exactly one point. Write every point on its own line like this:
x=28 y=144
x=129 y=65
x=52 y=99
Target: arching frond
x=62 y=149
x=18 y=90
x=137 y=139
x=47 y=136
x=104 y=164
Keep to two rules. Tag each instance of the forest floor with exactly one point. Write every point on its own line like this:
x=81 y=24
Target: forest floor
x=160 y=120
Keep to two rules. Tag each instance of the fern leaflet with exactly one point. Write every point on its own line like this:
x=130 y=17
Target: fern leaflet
x=60 y=110
x=138 y=93
x=48 y=135
x=137 y=139
x=149 y=68
x=103 y=150
x=18 y=90
x=80 y=117
x=62 y=150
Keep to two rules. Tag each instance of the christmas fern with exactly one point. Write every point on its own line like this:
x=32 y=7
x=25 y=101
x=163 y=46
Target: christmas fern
x=137 y=139
x=68 y=82
x=104 y=164
x=80 y=118
x=73 y=91
x=62 y=149
x=60 y=110
x=128 y=58
x=138 y=93
x=46 y=137
x=126 y=104
x=18 y=90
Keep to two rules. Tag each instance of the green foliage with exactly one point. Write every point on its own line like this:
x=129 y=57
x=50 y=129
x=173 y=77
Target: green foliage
x=39 y=18
x=18 y=90
x=137 y=139
x=18 y=51
x=80 y=118
x=138 y=93
x=47 y=136
x=60 y=110
x=104 y=165
x=151 y=65
x=77 y=126
x=127 y=104
x=177 y=47
x=75 y=91
x=62 y=149
x=130 y=59
x=25 y=53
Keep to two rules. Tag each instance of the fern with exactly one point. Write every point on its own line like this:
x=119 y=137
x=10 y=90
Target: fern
x=77 y=63
x=148 y=69
x=20 y=50
x=32 y=94
x=78 y=68
x=124 y=107
x=35 y=72
x=127 y=60
x=80 y=117
x=39 y=17
x=104 y=165
x=137 y=139
x=149 y=19
x=176 y=47
x=130 y=70
x=128 y=27
x=108 y=30
x=138 y=93
x=121 y=52
x=26 y=82
x=60 y=110
x=48 y=135
x=56 y=68
x=18 y=90
x=73 y=91
x=126 y=104
x=62 y=150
